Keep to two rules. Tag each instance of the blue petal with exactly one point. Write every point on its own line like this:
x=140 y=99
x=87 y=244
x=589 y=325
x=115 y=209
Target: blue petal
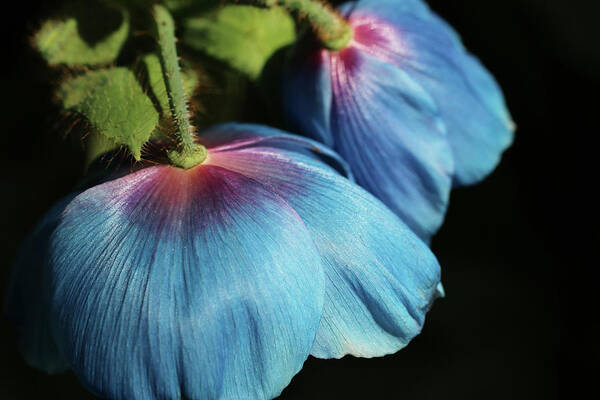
x=307 y=82
x=415 y=7
x=27 y=296
x=184 y=284
x=470 y=102
x=232 y=136
x=478 y=147
x=387 y=128
x=381 y=278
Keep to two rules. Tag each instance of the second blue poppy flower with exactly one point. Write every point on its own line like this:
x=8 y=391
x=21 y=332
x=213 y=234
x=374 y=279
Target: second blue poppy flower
x=404 y=103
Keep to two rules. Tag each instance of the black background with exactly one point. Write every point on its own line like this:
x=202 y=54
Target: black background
x=517 y=251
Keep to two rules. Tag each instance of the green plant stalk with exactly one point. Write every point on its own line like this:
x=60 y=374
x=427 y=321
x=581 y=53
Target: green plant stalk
x=332 y=30
x=188 y=154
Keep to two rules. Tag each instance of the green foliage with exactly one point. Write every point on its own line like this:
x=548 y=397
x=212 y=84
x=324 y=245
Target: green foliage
x=131 y=105
x=114 y=103
x=90 y=34
x=224 y=96
x=244 y=37
x=96 y=145
x=175 y=5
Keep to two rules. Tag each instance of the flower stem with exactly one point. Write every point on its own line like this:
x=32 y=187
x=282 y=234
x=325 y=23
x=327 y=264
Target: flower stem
x=332 y=30
x=188 y=153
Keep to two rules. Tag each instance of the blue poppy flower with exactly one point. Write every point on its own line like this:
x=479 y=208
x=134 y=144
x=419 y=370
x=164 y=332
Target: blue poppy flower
x=220 y=280
x=404 y=103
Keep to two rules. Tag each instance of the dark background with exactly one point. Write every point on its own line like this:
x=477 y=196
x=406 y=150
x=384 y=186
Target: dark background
x=517 y=251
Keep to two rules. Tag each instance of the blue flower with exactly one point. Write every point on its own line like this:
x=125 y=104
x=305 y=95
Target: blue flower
x=404 y=104
x=220 y=280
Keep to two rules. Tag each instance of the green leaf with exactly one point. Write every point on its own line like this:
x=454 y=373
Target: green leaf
x=227 y=96
x=174 y=6
x=244 y=37
x=114 y=103
x=90 y=34
x=96 y=145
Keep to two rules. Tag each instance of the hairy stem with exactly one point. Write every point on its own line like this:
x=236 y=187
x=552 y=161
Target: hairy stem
x=188 y=153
